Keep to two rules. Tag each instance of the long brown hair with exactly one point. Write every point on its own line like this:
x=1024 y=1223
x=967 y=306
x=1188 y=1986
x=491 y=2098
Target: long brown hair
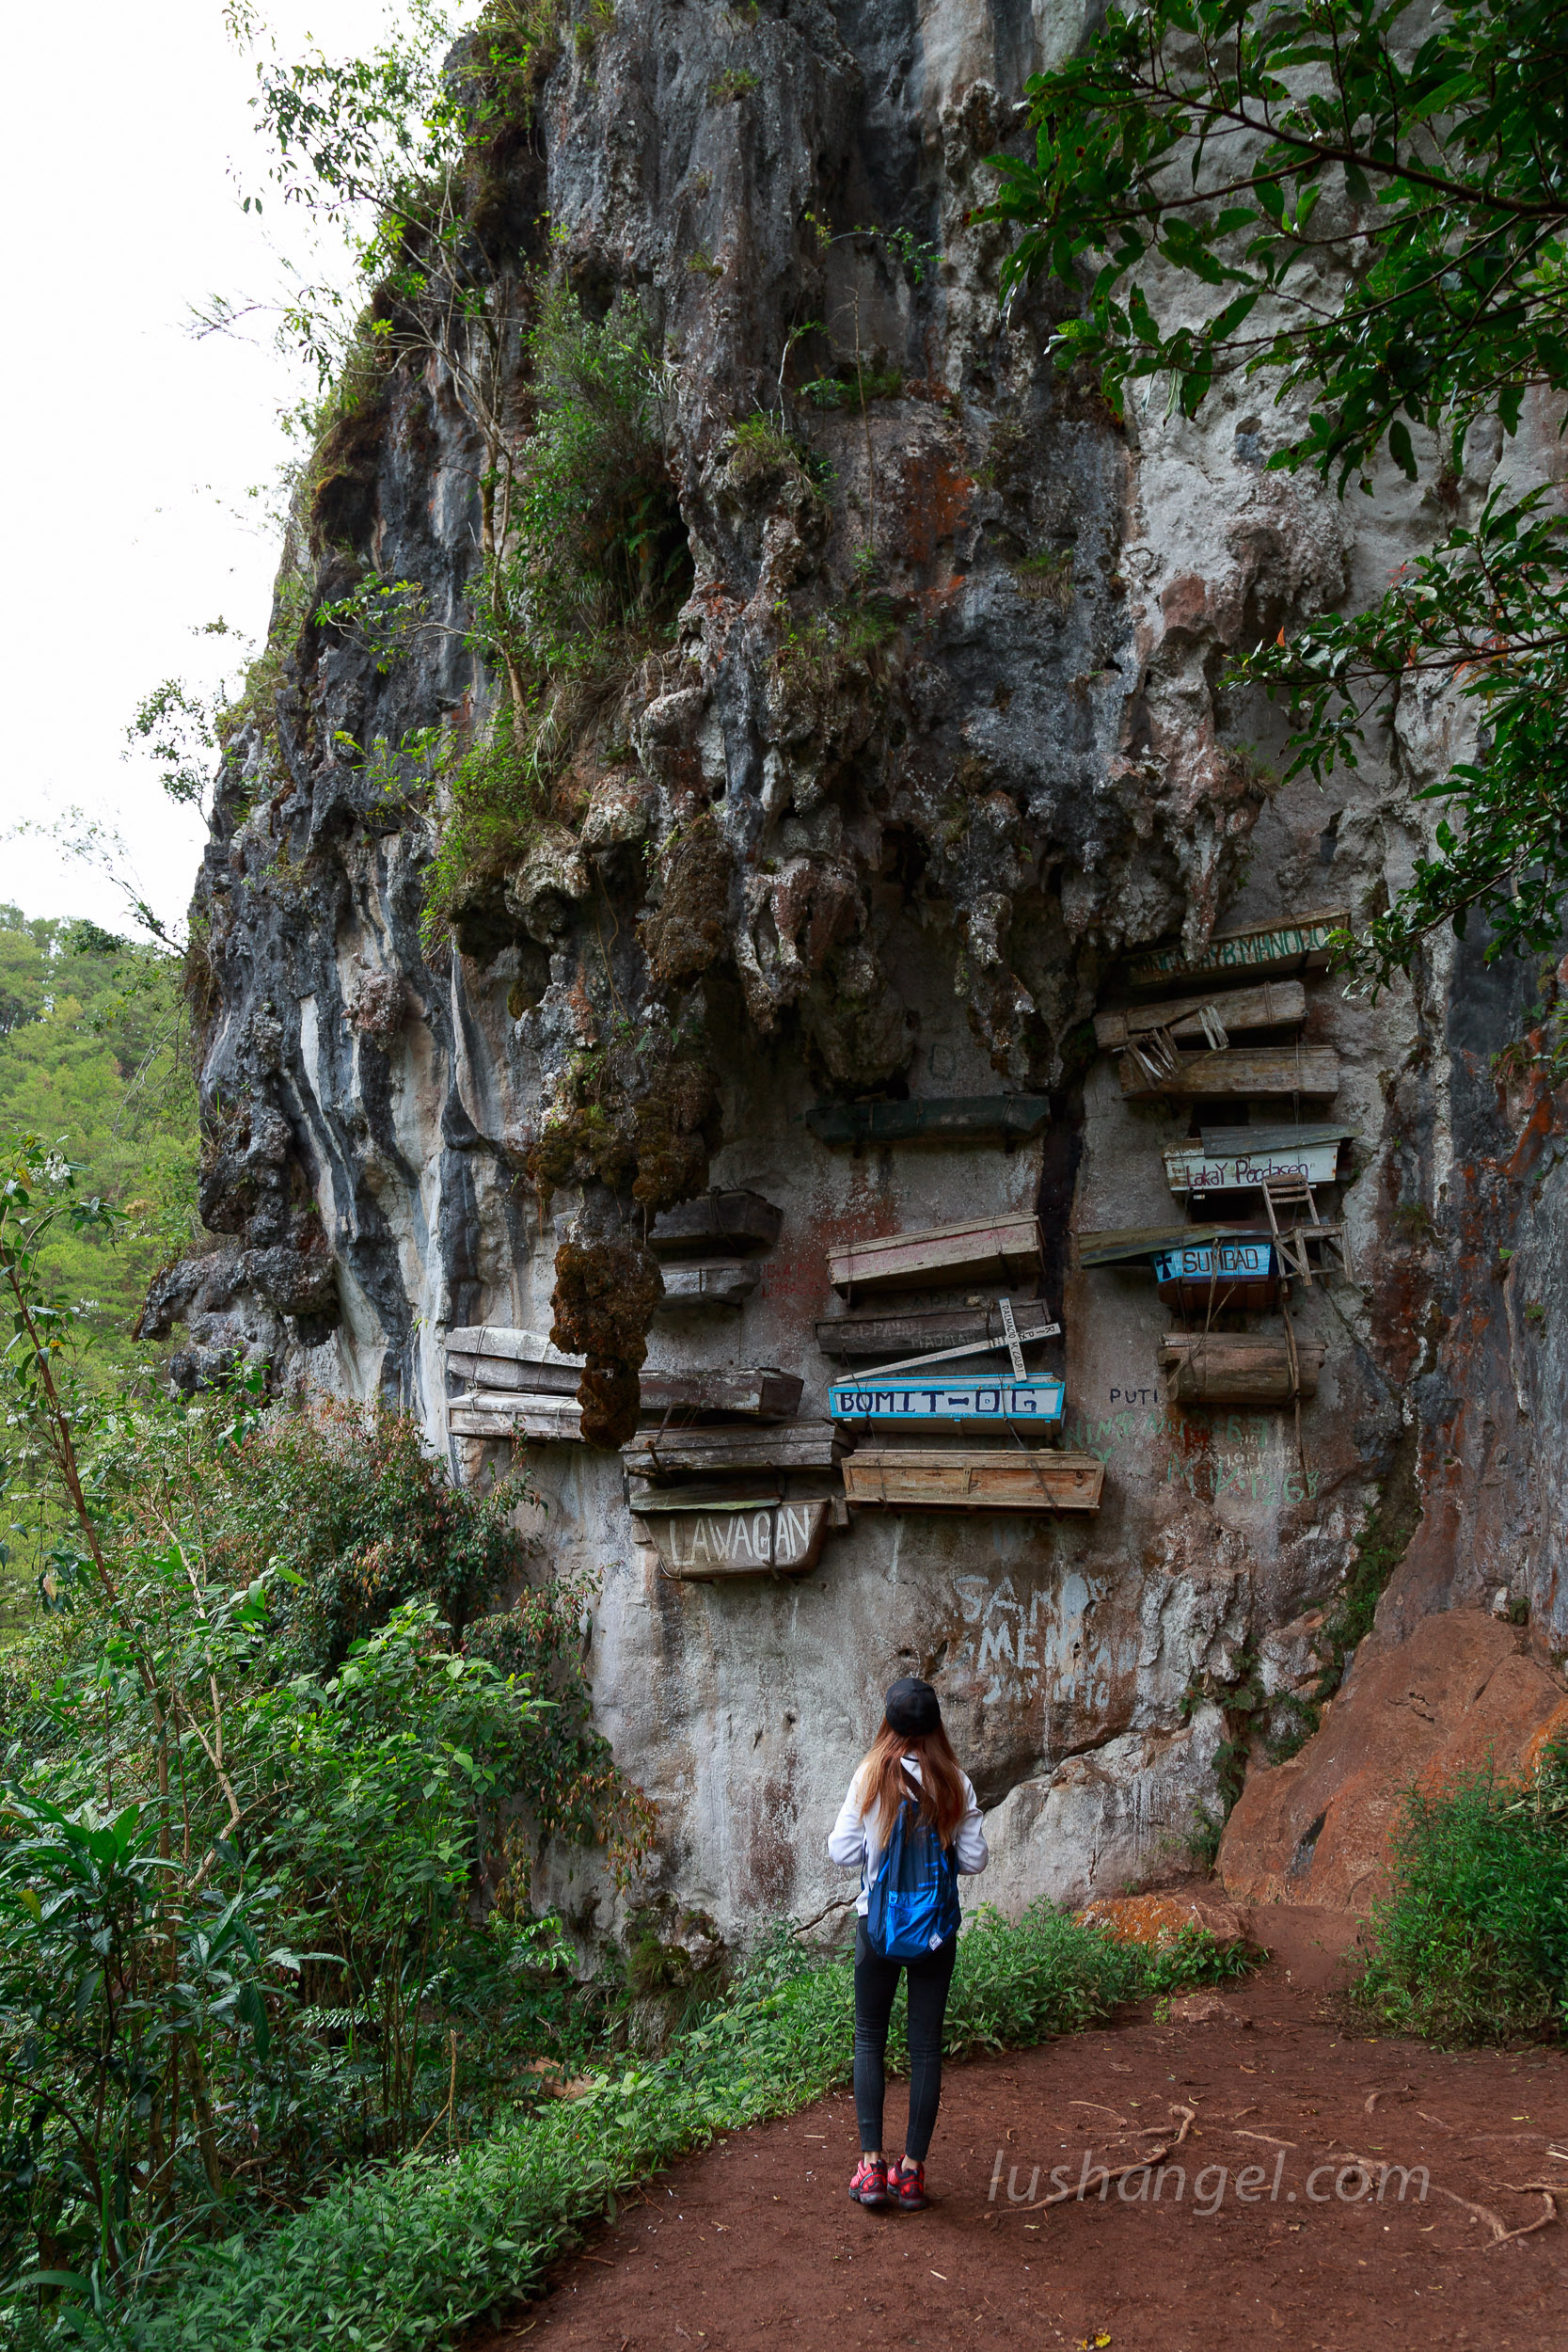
x=884 y=1784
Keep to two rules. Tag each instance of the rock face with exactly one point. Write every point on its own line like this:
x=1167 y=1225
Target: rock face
x=938 y=738
x=1459 y=1696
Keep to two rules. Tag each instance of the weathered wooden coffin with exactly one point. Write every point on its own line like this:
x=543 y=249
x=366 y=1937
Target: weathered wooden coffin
x=695 y=1283
x=530 y=1374
x=853 y=1338
x=1000 y=1478
x=494 y=1355
x=1238 y=1159
x=1239 y=1368
x=1239 y=1072
x=484 y=1413
x=1218 y=1277
x=1273 y=1004
x=996 y=1250
x=759 y=1395
x=718 y=1221
x=740 y=1539
x=681 y=1453
x=937 y=1119
x=909 y=1400
x=1295 y=943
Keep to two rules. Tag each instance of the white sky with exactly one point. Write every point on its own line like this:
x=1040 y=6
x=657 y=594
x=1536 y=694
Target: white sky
x=129 y=446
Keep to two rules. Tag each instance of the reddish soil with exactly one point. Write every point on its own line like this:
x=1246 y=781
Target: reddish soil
x=755 y=2244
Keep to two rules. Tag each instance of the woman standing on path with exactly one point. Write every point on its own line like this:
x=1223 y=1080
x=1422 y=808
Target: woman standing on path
x=910 y=1824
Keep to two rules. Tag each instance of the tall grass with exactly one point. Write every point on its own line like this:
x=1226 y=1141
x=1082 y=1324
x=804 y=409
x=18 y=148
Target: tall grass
x=1472 y=1943
x=405 y=2258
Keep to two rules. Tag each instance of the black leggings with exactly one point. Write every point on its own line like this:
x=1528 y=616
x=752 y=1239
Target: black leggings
x=876 y=1982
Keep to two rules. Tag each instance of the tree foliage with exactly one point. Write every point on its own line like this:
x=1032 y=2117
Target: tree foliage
x=1370 y=202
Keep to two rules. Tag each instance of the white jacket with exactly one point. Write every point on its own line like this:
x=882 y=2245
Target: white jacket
x=856 y=1842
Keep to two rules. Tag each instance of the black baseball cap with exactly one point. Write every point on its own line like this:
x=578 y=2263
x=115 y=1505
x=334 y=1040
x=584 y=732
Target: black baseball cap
x=912 y=1707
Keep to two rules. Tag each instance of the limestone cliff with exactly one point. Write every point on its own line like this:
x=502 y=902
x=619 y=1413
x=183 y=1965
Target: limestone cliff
x=899 y=861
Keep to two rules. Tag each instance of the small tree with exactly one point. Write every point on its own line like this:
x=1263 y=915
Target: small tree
x=1376 y=200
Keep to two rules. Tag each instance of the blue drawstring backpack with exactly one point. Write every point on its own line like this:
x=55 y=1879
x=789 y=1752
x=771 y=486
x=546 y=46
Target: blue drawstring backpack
x=913 y=1902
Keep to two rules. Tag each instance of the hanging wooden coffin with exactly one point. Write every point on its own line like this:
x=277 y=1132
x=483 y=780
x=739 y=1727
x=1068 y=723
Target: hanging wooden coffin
x=697 y=1283
x=1000 y=1478
x=485 y=1414
x=937 y=1119
x=1296 y=942
x=1000 y=1249
x=1218 y=1277
x=495 y=1356
x=1240 y=1159
x=716 y=1224
x=1273 y=1004
x=922 y=1400
x=1239 y=1368
x=1237 y=1073
x=856 y=1338
x=660 y=1453
x=740 y=1539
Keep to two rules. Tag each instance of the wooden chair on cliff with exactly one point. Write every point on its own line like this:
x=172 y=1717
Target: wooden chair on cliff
x=1295 y=1193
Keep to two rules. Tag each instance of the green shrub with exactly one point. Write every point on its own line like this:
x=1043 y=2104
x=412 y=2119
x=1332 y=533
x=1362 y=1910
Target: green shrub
x=1472 y=1943
x=402 y=2259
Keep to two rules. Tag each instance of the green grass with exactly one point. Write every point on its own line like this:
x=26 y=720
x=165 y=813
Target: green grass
x=405 y=2258
x=1472 y=1943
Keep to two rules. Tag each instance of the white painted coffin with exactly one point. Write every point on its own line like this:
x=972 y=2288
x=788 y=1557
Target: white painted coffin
x=739 y=1539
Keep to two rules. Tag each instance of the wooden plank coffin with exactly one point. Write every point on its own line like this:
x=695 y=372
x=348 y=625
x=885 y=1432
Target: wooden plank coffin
x=997 y=1249
x=1295 y=943
x=760 y=1395
x=856 y=1338
x=696 y=1283
x=717 y=1222
x=1218 y=1277
x=1257 y=1070
x=793 y=1445
x=500 y=1339
x=482 y=1413
x=740 y=1539
x=506 y=1372
x=925 y=1399
x=1238 y=1159
x=1239 y=1368
x=1000 y=1478
x=935 y=1119
x=1273 y=1004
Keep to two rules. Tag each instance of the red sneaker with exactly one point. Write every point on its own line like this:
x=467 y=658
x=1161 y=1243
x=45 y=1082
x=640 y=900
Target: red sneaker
x=869 y=2186
x=907 y=2188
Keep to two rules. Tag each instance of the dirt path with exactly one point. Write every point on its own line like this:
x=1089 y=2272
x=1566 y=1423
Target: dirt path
x=756 y=2244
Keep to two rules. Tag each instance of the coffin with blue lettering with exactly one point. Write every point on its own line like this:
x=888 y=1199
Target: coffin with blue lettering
x=922 y=1400
x=1234 y=1272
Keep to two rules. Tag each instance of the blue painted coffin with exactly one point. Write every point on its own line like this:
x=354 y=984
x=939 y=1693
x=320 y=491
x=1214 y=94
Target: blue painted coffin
x=915 y=1400
x=1234 y=1273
